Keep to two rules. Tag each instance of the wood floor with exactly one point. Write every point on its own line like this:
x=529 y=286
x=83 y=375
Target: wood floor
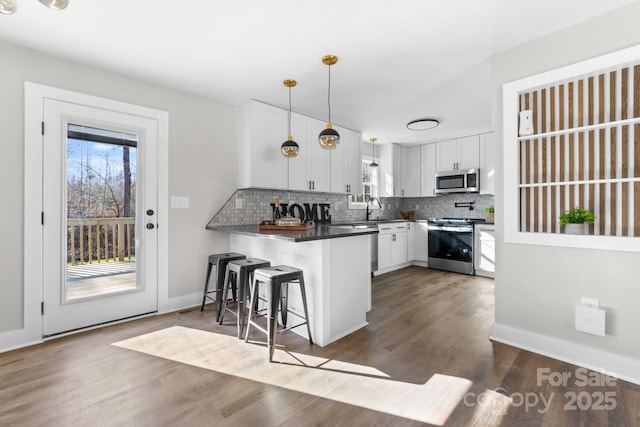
x=423 y=322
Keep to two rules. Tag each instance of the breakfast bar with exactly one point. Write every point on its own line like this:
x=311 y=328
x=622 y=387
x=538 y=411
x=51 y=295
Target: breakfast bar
x=336 y=265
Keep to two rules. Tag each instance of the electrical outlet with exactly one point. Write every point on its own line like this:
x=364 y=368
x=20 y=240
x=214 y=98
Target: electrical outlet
x=417 y=207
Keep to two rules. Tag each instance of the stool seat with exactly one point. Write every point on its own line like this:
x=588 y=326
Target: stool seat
x=220 y=261
x=240 y=272
x=277 y=280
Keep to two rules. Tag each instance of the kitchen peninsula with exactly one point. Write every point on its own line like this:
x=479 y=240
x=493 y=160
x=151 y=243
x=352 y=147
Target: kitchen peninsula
x=336 y=264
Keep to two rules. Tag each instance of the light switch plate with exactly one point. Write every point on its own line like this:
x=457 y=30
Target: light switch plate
x=179 y=202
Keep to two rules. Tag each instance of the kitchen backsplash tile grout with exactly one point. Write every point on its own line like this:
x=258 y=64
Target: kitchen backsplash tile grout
x=252 y=206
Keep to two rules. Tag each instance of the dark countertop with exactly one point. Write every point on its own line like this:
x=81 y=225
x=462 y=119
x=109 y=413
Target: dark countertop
x=318 y=233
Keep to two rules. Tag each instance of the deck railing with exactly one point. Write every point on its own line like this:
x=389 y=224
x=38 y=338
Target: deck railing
x=92 y=240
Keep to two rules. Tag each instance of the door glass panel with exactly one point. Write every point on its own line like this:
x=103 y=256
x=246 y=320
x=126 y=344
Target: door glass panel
x=101 y=210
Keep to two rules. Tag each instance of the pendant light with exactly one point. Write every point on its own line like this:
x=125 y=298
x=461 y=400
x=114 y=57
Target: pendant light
x=329 y=138
x=373 y=164
x=55 y=4
x=289 y=148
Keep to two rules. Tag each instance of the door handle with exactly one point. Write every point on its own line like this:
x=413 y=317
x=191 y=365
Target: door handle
x=150 y=226
x=150 y=212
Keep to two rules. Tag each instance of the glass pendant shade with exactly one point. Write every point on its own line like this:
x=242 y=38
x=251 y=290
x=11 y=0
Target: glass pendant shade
x=55 y=4
x=7 y=7
x=374 y=165
x=329 y=138
x=290 y=148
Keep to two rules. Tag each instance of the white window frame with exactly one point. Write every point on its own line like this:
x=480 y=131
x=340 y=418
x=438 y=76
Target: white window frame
x=511 y=163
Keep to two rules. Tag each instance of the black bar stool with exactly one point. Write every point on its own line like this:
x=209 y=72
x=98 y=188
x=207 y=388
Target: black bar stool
x=277 y=280
x=240 y=273
x=220 y=261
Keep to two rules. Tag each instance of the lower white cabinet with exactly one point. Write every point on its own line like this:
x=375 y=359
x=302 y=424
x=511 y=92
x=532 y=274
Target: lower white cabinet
x=411 y=241
x=484 y=249
x=421 y=243
x=392 y=246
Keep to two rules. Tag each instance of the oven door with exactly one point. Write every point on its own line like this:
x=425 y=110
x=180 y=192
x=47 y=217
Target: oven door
x=451 y=248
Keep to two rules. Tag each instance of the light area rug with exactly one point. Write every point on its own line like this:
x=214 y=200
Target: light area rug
x=340 y=381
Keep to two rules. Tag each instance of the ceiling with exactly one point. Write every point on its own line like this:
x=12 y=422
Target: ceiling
x=397 y=61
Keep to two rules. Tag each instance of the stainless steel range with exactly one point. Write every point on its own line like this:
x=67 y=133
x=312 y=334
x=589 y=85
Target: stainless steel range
x=451 y=244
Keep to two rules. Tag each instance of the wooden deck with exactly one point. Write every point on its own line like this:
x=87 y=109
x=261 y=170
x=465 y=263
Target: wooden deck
x=90 y=280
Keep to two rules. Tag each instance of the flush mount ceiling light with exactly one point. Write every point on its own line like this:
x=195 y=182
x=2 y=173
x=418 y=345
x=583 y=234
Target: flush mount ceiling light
x=373 y=164
x=289 y=148
x=422 y=124
x=329 y=138
x=7 y=7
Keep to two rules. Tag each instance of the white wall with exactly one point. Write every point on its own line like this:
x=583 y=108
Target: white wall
x=202 y=165
x=537 y=287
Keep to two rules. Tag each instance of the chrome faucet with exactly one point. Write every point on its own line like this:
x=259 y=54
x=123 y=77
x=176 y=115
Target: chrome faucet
x=370 y=211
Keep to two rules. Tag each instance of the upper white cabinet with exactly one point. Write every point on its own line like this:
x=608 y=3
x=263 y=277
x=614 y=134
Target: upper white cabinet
x=318 y=159
x=297 y=166
x=428 y=170
x=487 y=163
x=411 y=171
x=461 y=153
x=346 y=163
x=385 y=171
x=263 y=129
x=406 y=171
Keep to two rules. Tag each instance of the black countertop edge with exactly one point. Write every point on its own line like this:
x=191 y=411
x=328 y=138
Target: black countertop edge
x=319 y=232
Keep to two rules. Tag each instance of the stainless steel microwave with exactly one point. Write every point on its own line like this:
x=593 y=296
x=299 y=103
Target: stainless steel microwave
x=458 y=181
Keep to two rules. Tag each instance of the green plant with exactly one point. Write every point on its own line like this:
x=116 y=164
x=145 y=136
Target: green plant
x=576 y=215
x=488 y=210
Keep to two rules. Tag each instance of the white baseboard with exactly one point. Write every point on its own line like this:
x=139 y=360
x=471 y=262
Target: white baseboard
x=622 y=367
x=20 y=338
x=180 y=303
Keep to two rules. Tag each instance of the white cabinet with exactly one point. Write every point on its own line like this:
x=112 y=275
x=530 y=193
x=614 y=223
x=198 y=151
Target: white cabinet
x=385 y=171
x=318 y=160
x=428 y=170
x=406 y=171
x=297 y=166
x=346 y=163
x=484 y=250
x=263 y=129
x=392 y=246
x=396 y=155
x=411 y=171
x=411 y=241
x=461 y=153
x=421 y=245
x=487 y=163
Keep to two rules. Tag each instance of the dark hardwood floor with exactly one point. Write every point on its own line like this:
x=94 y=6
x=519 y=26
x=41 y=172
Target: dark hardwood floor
x=423 y=322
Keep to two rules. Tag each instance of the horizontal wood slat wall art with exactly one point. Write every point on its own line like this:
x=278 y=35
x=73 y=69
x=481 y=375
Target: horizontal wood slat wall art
x=584 y=151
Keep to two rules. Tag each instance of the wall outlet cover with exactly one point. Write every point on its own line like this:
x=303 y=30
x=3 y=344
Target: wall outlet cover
x=590 y=320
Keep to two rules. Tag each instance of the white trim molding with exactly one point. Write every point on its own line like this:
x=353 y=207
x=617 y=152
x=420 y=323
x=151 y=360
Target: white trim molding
x=624 y=368
x=511 y=160
x=34 y=95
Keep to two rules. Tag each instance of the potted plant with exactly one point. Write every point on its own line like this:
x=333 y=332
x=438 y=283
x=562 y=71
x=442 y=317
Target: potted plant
x=489 y=211
x=576 y=220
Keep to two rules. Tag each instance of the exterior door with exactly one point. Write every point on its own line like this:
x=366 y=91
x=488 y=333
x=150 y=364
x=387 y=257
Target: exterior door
x=99 y=216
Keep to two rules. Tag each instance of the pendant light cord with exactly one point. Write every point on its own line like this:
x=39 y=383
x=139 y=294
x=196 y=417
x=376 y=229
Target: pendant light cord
x=329 y=94
x=289 y=115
